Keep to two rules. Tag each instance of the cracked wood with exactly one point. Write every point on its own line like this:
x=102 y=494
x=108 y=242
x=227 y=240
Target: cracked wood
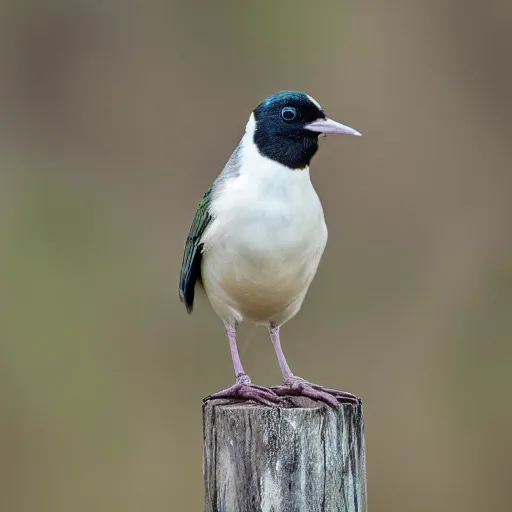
x=305 y=459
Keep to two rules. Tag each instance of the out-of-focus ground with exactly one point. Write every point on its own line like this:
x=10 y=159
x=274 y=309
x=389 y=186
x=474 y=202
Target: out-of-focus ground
x=116 y=116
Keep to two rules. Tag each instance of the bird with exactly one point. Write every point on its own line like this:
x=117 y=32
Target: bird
x=258 y=235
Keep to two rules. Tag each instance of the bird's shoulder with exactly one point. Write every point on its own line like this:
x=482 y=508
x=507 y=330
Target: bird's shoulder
x=190 y=272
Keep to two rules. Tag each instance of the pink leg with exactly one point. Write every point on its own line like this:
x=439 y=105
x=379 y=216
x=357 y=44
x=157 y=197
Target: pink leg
x=237 y=364
x=283 y=364
x=244 y=389
x=295 y=386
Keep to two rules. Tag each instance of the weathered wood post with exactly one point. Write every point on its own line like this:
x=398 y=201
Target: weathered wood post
x=307 y=459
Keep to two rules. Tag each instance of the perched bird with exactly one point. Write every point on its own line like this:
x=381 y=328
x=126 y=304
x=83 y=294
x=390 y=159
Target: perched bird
x=259 y=233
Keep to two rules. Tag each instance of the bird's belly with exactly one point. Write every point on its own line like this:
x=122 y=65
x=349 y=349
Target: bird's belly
x=262 y=272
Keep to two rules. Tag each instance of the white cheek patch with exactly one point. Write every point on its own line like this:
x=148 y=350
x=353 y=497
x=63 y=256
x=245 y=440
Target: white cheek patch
x=314 y=102
x=249 y=149
x=250 y=127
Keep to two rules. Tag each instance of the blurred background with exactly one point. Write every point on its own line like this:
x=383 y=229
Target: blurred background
x=114 y=119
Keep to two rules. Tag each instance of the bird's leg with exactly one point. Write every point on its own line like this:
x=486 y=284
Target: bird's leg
x=240 y=376
x=243 y=388
x=295 y=386
x=283 y=364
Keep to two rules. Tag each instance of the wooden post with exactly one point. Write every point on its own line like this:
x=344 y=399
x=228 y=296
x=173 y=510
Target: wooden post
x=307 y=459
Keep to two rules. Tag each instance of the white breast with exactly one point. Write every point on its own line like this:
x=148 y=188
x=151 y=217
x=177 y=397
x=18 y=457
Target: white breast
x=264 y=244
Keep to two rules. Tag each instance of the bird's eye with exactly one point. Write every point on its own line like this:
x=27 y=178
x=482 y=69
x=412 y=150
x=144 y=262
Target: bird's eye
x=288 y=113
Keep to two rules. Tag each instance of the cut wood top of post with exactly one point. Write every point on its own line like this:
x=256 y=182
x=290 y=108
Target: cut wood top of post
x=298 y=402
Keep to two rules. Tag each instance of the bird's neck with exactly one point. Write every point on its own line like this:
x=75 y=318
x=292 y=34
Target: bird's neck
x=295 y=153
x=256 y=165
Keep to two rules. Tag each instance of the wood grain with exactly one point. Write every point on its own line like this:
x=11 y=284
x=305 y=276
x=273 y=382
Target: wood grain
x=305 y=459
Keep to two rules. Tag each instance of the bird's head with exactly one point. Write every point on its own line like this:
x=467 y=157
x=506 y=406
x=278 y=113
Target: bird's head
x=287 y=125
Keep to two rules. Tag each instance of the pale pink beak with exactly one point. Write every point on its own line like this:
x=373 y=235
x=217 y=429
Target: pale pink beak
x=329 y=126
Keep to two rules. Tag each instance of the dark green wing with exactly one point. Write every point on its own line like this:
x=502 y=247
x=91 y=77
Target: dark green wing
x=191 y=265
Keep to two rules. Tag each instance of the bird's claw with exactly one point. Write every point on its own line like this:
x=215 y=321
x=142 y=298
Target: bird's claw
x=247 y=391
x=300 y=387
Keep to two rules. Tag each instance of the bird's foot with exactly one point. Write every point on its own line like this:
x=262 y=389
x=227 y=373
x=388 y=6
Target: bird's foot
x=295 y=386
x=244 y=389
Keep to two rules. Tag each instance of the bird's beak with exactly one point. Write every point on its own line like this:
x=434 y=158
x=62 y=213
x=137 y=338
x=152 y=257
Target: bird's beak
x=329 y=126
